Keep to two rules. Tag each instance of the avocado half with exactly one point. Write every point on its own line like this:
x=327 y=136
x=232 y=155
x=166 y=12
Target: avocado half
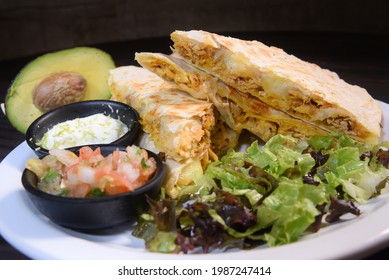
x=91 y=63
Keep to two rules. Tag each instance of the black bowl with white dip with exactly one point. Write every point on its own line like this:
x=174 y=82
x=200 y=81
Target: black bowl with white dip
x=84 y=123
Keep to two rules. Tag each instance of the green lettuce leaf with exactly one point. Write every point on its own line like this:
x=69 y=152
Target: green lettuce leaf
x=344 y=167
x=238 y=176
x=281 y=156
x=289 y=211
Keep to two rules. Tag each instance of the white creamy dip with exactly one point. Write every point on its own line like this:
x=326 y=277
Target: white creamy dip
x=94 y=129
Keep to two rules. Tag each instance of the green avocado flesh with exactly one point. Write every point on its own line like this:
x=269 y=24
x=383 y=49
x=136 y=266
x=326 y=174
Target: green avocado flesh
x=91 y=63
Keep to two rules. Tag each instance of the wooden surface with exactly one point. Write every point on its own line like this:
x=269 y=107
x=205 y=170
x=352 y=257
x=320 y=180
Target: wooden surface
x=30 y=27
x=359 y=59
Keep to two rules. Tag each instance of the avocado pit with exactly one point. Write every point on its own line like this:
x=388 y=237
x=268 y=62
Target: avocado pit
x=59 y=89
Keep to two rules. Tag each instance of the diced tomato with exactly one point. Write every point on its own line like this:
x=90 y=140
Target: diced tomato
x=117 y=173
x=80 y=190
x=116 y=189
x=100 y=173
x=120 y=180
x=87 y=153
x=115 y=159
x=112 y=182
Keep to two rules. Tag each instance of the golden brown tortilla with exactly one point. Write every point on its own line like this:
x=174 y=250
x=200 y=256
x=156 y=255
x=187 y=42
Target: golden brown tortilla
x=298 y=88
x=239 y=110
x=178 y=124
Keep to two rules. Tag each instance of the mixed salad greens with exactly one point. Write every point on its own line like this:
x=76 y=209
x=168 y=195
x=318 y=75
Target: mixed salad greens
x=271 y=195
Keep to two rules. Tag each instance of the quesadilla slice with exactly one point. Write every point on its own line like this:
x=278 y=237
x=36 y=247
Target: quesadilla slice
x=239 y=110
x=298 y=88
x=178 y=124
x=181 y=176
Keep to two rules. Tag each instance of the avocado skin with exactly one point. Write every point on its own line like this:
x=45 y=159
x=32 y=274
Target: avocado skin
x=92 y=63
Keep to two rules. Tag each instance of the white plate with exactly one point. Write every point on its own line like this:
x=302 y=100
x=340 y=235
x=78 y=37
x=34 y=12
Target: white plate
x=32 y=234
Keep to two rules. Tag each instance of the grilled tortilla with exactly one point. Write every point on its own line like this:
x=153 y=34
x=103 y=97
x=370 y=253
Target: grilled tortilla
x=298 y=88
x=179 y=125
x=181 y=176
x=239 y=110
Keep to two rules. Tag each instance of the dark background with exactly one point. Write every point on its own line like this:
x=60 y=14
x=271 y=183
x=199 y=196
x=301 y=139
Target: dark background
x=350 y=37
x=30 y=27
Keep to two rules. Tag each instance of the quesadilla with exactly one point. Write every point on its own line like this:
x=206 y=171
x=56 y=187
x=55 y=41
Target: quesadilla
x=298 y=88
x=178 y=124
x=239 y=110
x=181 y=176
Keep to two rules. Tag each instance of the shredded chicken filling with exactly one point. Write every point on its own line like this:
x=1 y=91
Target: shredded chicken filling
x=298 y=107
x=306 y=108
